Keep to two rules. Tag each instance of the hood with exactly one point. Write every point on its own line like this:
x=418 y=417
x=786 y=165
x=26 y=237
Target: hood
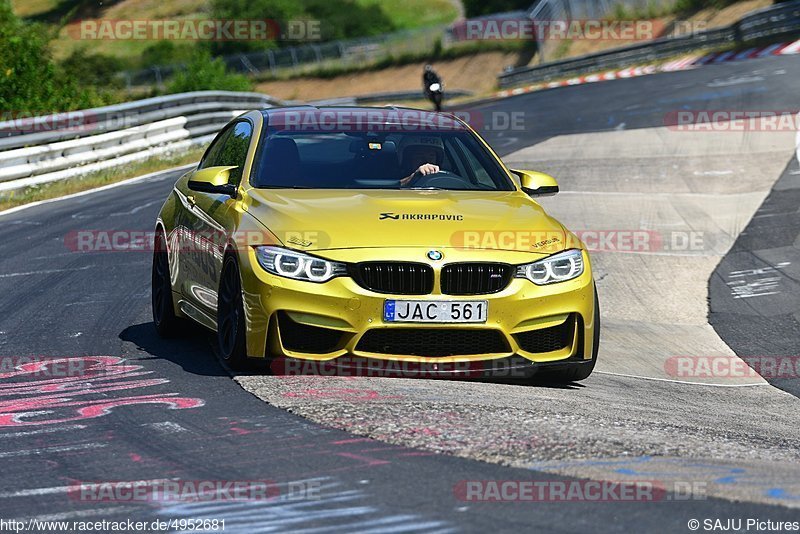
x=313 y=219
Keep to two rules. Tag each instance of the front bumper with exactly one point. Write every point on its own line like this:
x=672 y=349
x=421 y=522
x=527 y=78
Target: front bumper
x=340 y=322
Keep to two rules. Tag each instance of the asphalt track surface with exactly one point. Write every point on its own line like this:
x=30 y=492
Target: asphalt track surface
x=174 y=412
x=754 y=291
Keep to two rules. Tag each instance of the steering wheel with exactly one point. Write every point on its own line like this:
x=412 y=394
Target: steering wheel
x=441 y=180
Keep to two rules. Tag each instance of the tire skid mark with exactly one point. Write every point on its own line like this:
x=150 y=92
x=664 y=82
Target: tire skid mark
x=338 y=509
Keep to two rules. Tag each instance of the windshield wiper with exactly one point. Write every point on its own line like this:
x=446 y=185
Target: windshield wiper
x=283 y=187
x=428 y=189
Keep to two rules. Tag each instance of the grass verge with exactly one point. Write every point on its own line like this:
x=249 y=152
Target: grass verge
x=412 y=14
x=96 y=179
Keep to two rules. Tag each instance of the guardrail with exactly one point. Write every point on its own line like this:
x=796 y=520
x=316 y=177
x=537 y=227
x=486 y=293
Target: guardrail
x=76 y=143
x=771 y=22
x=384 y=97
x=797 y=140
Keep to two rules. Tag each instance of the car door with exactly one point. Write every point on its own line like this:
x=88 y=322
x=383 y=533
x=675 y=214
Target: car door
x=212 y=220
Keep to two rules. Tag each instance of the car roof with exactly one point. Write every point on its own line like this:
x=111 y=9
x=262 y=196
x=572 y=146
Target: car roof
x=409 y=118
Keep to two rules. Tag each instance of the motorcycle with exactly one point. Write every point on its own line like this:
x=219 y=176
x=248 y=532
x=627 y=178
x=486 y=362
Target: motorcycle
x=436 y=95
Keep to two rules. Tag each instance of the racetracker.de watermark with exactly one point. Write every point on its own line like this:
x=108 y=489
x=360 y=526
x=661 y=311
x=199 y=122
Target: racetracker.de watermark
x=350 y=366
x=596 y=240
x=395 y=120
x=733 y=367
x=42 y=367
x=22 y=122
x=170 y=491
x=105 y=525
x=733 y=120
x=541 y=491
x=195 y=30
x=184 y=240
x=505 y=29
x=26 y=121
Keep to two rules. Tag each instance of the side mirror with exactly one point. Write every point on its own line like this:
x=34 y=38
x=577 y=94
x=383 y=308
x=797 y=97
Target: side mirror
x=537 y=184
x=213 y=180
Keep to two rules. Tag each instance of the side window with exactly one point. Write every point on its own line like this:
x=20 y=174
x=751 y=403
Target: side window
x=230 y=149
x=211 y=157
x=234 y=151
x=451 y=155
x=478 y=171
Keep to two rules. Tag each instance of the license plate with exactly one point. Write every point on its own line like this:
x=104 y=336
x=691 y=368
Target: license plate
x=426 y=311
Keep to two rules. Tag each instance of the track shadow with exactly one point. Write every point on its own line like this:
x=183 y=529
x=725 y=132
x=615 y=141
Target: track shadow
x=194 y=350
x=365 y=368
x=72 y=10
x=539 y=383
x=191 y=348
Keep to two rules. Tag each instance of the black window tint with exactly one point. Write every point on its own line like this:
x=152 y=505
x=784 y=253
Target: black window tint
x=477 y=171
x=234 y=152
x=211 y=157
x=353 y=158
x=230 y=149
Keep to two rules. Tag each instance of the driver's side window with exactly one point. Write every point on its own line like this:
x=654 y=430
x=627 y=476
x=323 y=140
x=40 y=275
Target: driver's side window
x=230 y=149
x=476 y=172
x=212 y=155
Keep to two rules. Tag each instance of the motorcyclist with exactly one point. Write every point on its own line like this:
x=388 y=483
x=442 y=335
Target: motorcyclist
x=432 y=86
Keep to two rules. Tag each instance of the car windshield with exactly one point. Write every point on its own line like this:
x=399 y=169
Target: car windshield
x=371 y=158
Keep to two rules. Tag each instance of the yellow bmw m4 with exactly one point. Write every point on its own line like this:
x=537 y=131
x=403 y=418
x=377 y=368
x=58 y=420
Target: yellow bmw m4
x=372 y=239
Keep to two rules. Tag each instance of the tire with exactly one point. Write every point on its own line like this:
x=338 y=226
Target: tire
x=437 y=101
x=231 y=341
x=578 y=371
x=164 y=318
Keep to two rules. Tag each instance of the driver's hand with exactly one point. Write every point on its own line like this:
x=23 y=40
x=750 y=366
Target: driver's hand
x=424 y=169
x=428 y=168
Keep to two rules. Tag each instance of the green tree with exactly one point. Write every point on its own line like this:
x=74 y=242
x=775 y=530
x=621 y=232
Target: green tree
x=205 y=73
x=276 y=10
x=30 y=81
x=165 y=53
x=347 y=19
x=99 y=70
x=476 y=8
x=342 y=19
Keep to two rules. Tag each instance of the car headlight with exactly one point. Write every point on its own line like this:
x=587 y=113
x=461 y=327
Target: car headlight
x=296 y=265
x=557 y=268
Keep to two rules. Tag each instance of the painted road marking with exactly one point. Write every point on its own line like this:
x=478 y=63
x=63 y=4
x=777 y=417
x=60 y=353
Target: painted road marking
x=753 y=283
x=35 y=396
x=167 y=427
x=47 y=271
x=143 y=178
x=55 y=490
x=683 y=382
x=793 y=48
x=41 y=431
x=45 y=450
x=768 y=51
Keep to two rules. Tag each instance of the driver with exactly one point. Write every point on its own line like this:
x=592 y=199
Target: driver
x=420 y=156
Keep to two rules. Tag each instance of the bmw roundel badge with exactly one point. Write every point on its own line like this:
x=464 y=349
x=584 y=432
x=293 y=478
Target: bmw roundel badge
x=435 y=255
